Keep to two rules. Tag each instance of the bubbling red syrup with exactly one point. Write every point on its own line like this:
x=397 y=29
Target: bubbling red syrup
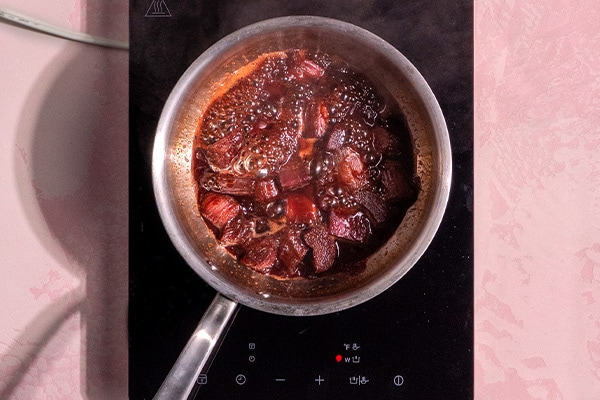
x=302 y=167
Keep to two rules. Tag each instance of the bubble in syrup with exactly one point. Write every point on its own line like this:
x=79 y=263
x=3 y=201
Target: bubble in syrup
x=276 y=209
x=262 y=173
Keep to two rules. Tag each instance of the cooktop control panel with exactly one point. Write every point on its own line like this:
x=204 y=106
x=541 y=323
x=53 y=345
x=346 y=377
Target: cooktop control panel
x=344 y=368
x=338 y=356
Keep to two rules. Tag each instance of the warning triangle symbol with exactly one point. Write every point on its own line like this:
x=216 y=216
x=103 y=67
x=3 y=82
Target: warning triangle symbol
x=158 y=8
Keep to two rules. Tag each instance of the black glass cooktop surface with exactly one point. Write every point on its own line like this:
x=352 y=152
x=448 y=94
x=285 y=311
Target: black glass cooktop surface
x=414 y=341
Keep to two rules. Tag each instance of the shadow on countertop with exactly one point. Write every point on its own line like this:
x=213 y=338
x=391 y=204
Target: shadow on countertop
x=76 y=179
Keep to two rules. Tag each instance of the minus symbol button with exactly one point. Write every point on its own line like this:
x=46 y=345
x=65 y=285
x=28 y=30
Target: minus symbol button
x=279 y=379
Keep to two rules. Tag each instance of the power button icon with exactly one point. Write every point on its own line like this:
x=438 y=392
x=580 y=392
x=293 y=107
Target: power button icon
x=398 y=380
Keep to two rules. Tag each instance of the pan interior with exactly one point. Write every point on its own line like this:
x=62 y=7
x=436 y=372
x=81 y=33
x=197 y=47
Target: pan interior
x=175 y=188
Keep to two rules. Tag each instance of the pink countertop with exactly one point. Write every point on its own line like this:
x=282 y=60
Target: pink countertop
x=63 y=247
x=537 y=200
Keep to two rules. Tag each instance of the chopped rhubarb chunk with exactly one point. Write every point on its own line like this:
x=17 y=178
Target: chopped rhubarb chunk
x=354 y=227
x=384 y=142
x=324 y=248
x=294 y=174
x=266 y=190
x=219 y=209
x=221 y=153
x=307 y=70
x=311 y=69
x=337 y=138
x=351 y=170
x=231 y=184
x=292 y=249
x=237 y=231
x=316 y=118
x=301 y=209
x=374 y=204
x=394 y=181
x=261 y=254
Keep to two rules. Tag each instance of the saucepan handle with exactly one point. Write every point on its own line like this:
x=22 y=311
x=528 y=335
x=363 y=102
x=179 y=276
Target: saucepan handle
x=196 y=353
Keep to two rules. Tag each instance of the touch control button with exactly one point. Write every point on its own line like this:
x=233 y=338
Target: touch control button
x=202 y=379
x=359 y=380
x=398 y=380
x=240 y=379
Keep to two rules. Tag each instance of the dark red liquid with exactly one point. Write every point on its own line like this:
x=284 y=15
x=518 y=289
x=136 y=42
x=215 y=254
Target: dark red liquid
x=302 y=167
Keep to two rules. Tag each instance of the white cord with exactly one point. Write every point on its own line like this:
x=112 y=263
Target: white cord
x=39 y=26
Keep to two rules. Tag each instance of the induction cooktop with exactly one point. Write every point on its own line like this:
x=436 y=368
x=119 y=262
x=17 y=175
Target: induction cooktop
x=415 y=340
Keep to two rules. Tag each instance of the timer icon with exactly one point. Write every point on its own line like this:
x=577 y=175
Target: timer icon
x=240 y=379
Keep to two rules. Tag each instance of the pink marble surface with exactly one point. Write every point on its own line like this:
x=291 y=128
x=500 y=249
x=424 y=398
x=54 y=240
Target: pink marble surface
x=63 y=250
x=63 y=184
x=537 y=200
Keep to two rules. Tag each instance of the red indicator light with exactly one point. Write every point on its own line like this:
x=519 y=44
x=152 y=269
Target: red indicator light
x=338 y=358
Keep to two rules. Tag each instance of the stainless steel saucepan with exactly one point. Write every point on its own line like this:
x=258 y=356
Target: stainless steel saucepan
x=176 y=196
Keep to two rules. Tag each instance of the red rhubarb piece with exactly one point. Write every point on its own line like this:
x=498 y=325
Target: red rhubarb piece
x=324 y=248
x=266 y=190
x=385 y=142
x=219 y=209
x=351 y=170
x=374 y=204
x=221 y=153
x=231 y=184
x=292 y=249
x=238 y=231
x=306 y=70
x=301 y=209
x=316 y=118
x=354 y=227
x=294 y=174
x=337 y=138
x=261 y=254
x=394 y=181
x=311 y=69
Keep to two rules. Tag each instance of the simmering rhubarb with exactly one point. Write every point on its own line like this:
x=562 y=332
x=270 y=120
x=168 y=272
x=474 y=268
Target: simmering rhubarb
x=303 y=167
